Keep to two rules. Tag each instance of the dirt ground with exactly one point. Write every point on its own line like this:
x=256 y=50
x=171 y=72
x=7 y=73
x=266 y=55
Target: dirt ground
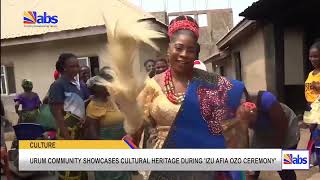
x=312 y=174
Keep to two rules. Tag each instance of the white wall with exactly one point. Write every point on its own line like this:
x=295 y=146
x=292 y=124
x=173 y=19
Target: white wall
x=37 y=61
x=252 y=54
x=229 y=68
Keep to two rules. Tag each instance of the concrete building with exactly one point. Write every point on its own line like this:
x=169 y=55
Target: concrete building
x=30 y=51
x=269 y=49
x=242 y=51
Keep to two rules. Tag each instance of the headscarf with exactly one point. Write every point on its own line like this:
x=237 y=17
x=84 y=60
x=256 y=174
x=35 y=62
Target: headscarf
x=96 y=80
x=26 y=84
x=199 y=65
x=104 y=78
x=186 y=24
x=107 y=73
x=56 y=75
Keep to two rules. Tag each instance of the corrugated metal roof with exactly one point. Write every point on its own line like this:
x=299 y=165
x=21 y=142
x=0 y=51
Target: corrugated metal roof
x=287 y=11
x=243 y=27
x=72 y=14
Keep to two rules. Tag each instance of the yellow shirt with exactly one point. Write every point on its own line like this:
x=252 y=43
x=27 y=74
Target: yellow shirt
x=107 y=112
x=311 y=94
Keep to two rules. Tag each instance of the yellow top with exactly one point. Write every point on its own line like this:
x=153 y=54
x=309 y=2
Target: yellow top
x=310 y=94
x=313 y=116
x=107 y=112
x=158 y=109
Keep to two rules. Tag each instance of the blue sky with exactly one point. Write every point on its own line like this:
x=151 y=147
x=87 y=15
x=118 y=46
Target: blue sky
x=187 y=5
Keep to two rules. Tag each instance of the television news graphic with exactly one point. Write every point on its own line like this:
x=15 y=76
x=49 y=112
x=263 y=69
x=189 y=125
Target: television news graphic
x=101 y=155
x=295 y=159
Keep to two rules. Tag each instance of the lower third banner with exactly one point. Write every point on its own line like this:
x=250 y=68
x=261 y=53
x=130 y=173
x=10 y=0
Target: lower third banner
x=64 y=155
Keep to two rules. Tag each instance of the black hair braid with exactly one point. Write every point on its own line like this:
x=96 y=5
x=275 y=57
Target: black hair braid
x=62 y=61
x=197 y=50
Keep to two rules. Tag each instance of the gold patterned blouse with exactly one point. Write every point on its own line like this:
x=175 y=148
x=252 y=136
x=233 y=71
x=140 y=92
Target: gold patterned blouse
x=159 y=111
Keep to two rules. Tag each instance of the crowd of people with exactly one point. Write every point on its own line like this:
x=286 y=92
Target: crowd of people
x=154 y=67
x=184 y=107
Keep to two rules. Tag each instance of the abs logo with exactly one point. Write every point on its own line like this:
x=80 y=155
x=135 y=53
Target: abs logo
x=289 y=159
x=295 y=159
x=32 y=17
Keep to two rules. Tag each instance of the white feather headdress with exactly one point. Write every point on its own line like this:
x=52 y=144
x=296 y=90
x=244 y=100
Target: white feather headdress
x=124 y=38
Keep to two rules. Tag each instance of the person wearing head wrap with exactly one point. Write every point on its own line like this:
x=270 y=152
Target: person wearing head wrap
x=56 y=75
x=200 y=65
x=104 y=120
x=197 y=63
x=204 y=101
x=29 y=102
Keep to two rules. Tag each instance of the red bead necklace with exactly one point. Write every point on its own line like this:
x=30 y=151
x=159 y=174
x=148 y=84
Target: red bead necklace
x=175 y=98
